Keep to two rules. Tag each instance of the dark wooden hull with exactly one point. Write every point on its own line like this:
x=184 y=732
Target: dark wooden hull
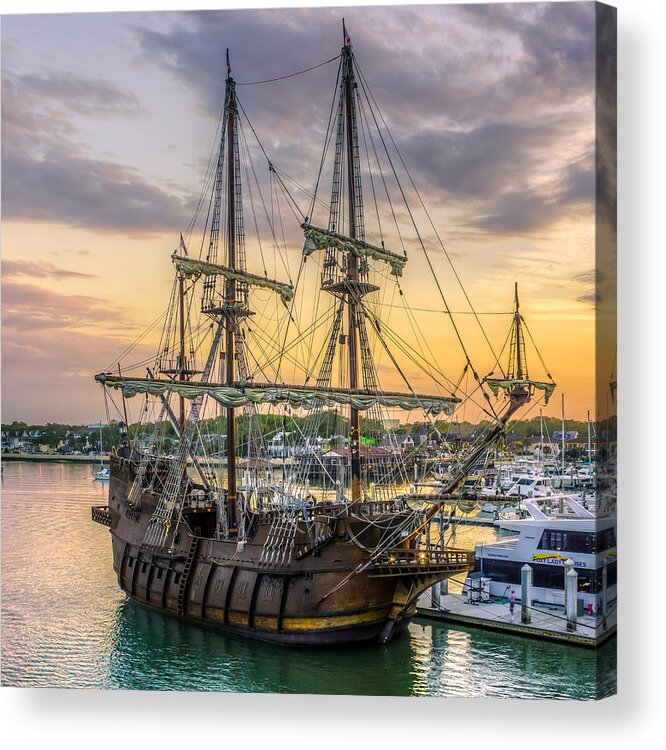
x=300 y=602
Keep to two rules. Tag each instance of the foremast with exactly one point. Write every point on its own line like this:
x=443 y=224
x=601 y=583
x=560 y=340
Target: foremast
x=225 y=290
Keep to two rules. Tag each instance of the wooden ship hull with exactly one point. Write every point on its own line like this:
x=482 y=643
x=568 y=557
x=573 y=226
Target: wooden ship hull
x=297 y=601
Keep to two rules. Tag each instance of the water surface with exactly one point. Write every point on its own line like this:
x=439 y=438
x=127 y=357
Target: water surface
x=65 y=623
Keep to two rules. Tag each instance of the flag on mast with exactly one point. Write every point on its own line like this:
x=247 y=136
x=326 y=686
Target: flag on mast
x=346 y=34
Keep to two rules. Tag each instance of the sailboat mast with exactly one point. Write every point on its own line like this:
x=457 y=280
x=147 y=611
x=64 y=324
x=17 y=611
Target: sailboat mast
x=230 y=294
x=540 y=436
x=352 y=277
x=563 y=436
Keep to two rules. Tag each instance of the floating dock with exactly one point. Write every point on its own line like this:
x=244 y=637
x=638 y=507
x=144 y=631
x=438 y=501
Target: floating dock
x=549 y=623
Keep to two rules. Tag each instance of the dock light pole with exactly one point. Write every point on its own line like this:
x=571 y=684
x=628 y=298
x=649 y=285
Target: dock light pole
x=570 y=595
x=526 y=594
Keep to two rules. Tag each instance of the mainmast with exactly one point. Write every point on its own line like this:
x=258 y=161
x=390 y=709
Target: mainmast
x=230 y=292
x=353 y=182
x=181 y=345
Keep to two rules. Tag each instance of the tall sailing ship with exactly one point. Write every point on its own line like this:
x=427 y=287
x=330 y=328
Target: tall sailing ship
x=288 y=548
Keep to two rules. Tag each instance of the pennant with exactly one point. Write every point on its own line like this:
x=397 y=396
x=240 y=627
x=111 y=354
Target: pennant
x=346 y=34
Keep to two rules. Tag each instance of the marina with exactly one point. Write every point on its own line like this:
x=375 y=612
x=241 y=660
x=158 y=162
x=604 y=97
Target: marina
x=314 y=447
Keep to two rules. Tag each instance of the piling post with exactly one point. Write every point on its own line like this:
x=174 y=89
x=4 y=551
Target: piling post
x=526 y=594
x=435 y=595
x=570 y=597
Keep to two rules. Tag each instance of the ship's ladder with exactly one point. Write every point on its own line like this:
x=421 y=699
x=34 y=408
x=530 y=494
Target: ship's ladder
x=134 y=495
x=160 y=521
x=184 y=577
x=280 y=539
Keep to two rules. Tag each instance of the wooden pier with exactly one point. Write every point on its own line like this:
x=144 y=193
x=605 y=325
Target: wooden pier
x=548 y=623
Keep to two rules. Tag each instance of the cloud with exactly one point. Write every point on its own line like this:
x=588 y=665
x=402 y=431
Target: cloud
x=52 y=344
x=484 y=102
x=46 y=178
x=68 y=188
x=84 y=95
x=47 y=377
x=476 y=97
x=592 y=280
x=32 y=307
x=39 y=270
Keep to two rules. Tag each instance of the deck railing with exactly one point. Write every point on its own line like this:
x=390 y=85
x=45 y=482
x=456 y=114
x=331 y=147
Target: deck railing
x=399 y=561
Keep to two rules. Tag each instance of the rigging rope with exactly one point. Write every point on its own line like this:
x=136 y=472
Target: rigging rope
x=367 y=92
x=289 y=75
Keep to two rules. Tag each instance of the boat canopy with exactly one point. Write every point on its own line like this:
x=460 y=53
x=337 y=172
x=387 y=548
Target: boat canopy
x=241 y=394
x=321 y=239
x=193 y=268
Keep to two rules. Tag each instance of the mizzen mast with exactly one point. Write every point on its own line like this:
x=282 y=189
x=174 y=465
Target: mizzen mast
x=517 y=356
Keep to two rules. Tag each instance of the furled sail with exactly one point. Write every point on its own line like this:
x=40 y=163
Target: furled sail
x=321 y=239
x=506 y=383
x=193 y=268
x=240 y=394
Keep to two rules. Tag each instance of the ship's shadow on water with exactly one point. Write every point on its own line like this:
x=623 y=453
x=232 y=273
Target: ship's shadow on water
x=152 y=651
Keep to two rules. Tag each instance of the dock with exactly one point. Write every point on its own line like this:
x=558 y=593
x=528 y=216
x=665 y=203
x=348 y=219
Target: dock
x=469 y=521
x=548 y=623
x=56 y=458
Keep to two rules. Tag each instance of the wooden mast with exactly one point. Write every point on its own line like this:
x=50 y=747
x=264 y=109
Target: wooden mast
x=230 y=295
x=181 y=354
x=516 y=317
x=352 y=276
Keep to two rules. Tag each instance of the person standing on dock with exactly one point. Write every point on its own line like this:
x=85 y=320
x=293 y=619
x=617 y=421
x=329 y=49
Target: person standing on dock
x=512 y=602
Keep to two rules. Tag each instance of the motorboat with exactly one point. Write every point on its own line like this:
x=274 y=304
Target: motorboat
x=550 y=545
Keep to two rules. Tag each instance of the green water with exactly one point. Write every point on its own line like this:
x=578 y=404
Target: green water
x=66 y=624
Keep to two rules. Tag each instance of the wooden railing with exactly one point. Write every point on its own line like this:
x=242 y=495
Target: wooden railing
x=400 y=561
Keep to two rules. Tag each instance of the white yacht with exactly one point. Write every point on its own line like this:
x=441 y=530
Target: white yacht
x=531 y=485
x=546 y=543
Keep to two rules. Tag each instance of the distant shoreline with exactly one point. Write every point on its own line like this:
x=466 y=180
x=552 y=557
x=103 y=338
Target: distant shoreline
x=55 y=457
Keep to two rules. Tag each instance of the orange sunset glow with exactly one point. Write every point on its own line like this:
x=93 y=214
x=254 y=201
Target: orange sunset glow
x=105 y=145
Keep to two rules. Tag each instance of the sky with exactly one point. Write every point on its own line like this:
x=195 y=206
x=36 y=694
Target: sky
x=107 y=125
